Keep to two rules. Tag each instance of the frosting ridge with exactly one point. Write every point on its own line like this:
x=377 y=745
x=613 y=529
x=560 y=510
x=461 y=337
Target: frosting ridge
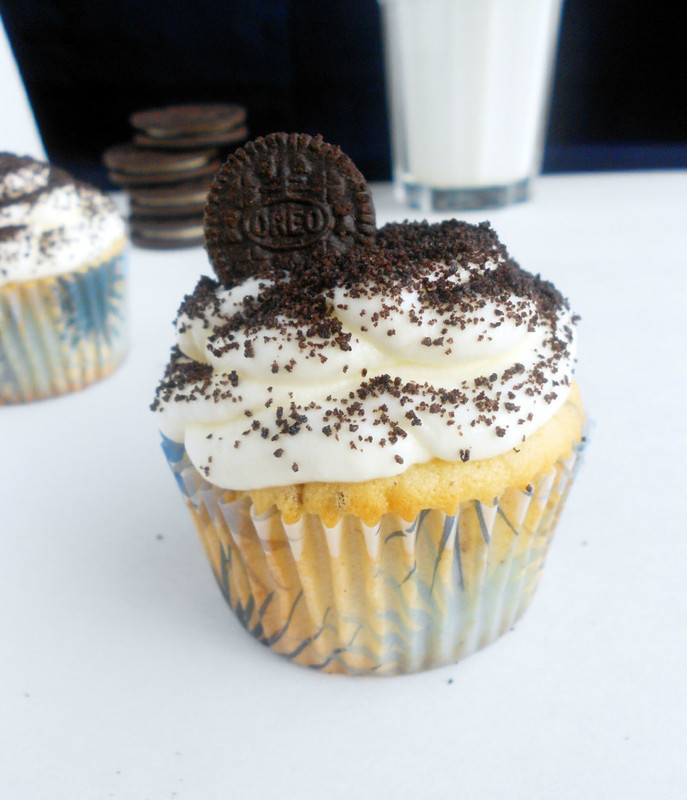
x=431 y=343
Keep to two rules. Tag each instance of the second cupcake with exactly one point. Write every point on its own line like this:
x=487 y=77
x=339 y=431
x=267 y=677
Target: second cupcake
x=62 y=282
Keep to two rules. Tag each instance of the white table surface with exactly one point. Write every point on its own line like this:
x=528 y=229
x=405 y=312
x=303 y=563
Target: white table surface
x=123 y=673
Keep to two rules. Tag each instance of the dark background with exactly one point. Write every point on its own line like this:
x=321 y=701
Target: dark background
x=619 y=101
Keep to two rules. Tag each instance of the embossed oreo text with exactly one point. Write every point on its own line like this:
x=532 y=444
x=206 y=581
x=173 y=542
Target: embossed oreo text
x=287 y=224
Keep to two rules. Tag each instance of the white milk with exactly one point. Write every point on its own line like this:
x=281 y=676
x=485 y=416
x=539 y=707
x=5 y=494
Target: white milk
x=469 y=82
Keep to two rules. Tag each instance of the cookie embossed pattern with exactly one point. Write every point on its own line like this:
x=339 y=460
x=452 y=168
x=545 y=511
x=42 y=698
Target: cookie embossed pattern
x=285 y=194
x=375 y=430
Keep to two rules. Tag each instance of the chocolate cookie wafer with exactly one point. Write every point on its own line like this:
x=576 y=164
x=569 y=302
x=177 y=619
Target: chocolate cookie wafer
x=129 y=165
x=132 y=181
x=185 y=120
x=167 y=168
x=179 y=199
x=285 y=197
x=166 y=234
x=187 y=127
x=213 y=139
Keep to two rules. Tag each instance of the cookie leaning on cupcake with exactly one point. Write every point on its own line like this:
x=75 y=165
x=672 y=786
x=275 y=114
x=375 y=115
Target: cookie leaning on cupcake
x=62 y=282
x=375 y=431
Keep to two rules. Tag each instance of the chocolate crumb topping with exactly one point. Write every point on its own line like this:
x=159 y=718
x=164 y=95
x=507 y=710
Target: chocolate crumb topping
x=298 y=302
x=40 y=176
x=308 y=297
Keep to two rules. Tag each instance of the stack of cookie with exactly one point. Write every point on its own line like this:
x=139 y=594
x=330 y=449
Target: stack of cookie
x=168 y=167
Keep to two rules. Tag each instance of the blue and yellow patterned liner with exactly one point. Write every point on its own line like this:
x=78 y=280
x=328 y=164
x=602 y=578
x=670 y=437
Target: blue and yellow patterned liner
x=62 y=332
x=397 y=597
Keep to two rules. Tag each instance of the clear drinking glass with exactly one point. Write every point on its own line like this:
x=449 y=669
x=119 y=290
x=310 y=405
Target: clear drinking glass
x=468 y=85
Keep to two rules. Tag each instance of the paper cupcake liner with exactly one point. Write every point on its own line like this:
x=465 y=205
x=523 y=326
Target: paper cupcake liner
x=396 y=597
x=63 y=332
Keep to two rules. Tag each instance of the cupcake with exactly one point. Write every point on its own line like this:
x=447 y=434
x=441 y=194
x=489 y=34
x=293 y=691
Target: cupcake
x=62 y=282
x=374 y=430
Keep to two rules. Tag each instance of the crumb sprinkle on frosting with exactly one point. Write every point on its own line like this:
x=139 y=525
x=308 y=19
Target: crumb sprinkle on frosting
x=50 y=223
x=430 y=343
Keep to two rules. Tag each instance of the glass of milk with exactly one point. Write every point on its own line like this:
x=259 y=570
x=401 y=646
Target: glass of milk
x=468 y=88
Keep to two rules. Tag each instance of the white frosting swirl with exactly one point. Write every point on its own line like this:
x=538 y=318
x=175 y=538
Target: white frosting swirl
x=392 y=379
x=49 y=224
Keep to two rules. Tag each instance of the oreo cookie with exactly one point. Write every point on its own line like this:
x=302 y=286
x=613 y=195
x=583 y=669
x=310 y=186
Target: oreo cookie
x=130 y=181
x=184 y=120
x=167 y=168
x=179 y=199
x=126 y=161
x=284 y=199
x=168 y=234
x=192 y=141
